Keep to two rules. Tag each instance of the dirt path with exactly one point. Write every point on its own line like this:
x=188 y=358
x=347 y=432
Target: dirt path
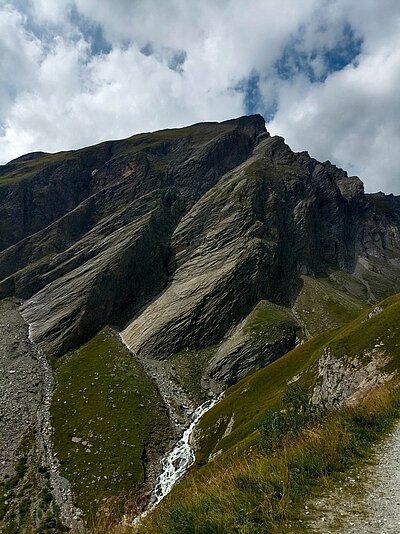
x=368 y=501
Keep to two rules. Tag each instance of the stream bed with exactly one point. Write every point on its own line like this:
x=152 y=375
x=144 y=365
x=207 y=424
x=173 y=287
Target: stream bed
x=175 y=464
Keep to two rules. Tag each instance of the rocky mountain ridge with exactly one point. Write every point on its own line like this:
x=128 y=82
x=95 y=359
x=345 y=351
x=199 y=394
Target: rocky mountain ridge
x=210 y=251
x=176 y=236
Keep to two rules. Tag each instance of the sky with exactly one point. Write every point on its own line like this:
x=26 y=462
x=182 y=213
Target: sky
x=325 y=74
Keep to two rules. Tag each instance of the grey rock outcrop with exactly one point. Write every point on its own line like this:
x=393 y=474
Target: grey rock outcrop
x=342 y=381
x=251 y=348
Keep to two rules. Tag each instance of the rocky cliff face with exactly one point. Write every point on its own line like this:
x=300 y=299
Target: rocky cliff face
x=177 y=236
x=105 y=255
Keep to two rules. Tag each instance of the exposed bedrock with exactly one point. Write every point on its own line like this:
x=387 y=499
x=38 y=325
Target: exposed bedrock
x=128 y=265
x=276 y=215
x=103 y=260
x=266 y=334
x=177 y=236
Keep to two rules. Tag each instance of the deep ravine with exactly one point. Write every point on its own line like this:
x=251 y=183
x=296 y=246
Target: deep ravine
x=180 y=407
x=175 y=464
x=184 y=416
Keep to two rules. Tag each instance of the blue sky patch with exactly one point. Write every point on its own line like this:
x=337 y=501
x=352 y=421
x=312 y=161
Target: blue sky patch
x=344 y=52
x=321 y=62
x=147 y=49
x=92 y=32
x=253 y=99
x=251 y=92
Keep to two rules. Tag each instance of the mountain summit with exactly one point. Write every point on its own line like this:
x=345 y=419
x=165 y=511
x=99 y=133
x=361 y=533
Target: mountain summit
x=177 y=236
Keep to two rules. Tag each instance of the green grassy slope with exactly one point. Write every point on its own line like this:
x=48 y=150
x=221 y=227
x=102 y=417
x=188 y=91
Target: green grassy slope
x=267 y=318
x=327 y=302
x=248 y=400
x=244 y=489
x=105 y=411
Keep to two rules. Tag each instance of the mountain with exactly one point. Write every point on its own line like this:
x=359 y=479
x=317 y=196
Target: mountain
x=177 y=236
x=156 y=272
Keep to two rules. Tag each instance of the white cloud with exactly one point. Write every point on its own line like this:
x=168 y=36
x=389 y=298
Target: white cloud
x=353 y=118
x=16 y=45
x=75 y=99
x=55 y=94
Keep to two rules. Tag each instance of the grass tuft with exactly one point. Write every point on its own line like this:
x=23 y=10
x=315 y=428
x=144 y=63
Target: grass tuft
x=278 y=426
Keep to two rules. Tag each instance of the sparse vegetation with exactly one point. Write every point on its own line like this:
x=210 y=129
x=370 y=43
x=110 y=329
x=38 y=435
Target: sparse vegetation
x=279 y=426
x=187 y=366
x=146 y=142
x=25 y=170
x=324 y=303
x=262 y=169
x=3 y=501
x=26 y=500
x=267 y=317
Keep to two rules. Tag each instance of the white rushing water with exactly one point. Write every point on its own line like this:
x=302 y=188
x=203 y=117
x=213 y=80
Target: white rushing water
x=178 y=461
x=175 y=464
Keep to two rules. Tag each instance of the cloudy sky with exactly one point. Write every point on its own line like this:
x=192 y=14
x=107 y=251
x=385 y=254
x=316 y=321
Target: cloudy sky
x=325 y=74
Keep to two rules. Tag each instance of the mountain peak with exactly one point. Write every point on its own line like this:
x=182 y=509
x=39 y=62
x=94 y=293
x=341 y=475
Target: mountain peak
x=110 y=227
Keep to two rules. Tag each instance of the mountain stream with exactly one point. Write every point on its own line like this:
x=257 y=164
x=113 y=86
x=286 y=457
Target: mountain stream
x=175 y=464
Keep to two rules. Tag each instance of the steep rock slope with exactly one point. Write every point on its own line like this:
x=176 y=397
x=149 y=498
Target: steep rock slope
x=181 y=234
x=274 y=217
x=104 y=255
